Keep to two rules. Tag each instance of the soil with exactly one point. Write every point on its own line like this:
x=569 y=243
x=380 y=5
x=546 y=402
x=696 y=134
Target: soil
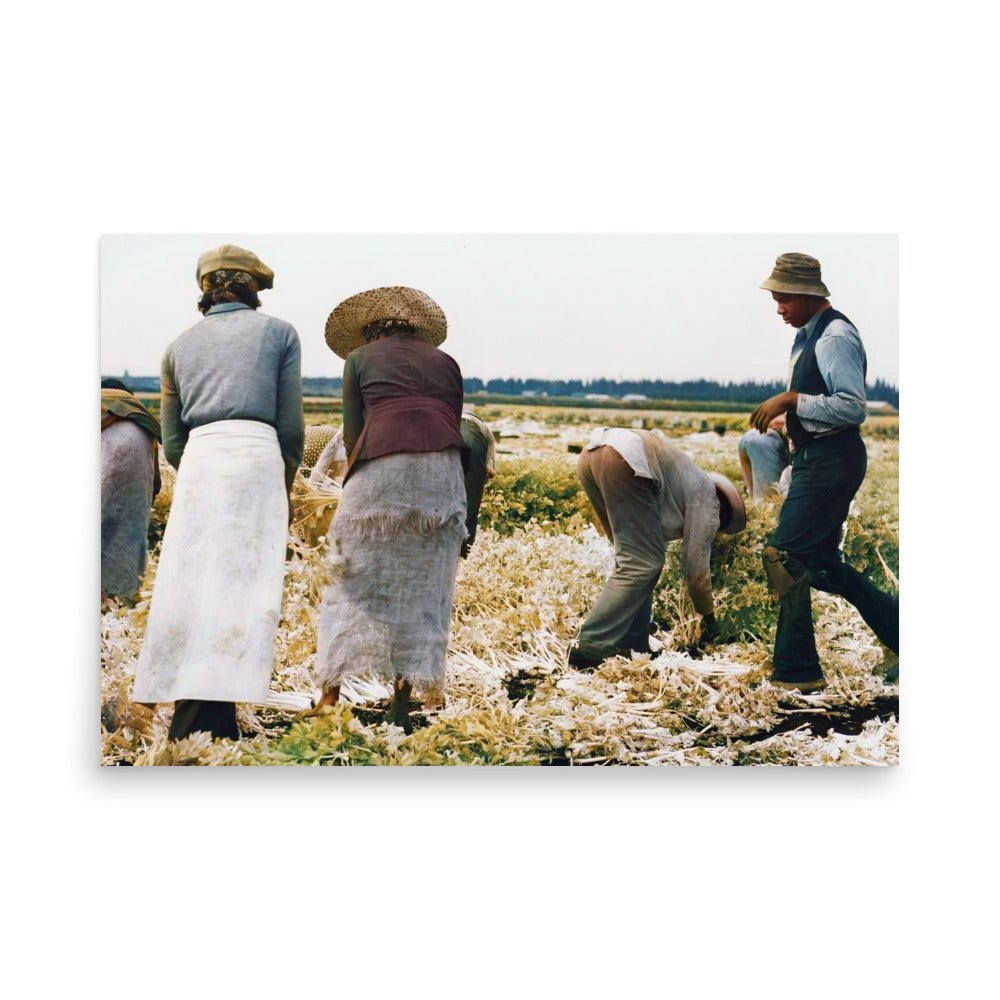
x=521 y=685
x=849 y=720
x=373 y=716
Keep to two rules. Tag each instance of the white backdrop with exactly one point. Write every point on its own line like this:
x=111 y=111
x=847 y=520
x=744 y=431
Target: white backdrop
x=445 y=117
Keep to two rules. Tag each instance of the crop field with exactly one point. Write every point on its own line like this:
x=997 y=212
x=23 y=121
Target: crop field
x=537 y=566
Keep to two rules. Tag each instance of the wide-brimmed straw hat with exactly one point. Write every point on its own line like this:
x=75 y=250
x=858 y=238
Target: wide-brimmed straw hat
x=345 y=325
x=797 y=274
x=233 y=258
x=732 y=510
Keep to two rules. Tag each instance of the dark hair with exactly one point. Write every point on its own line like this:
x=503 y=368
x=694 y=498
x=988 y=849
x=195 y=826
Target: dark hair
x=229 y=293
x=387 y=327
x=114 y=383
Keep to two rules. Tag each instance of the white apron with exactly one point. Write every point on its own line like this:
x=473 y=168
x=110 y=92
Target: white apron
x=217 y=594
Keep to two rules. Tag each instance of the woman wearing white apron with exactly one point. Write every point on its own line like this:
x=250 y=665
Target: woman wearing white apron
x=231 y=408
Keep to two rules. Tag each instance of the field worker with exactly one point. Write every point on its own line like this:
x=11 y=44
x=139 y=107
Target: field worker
x=764 y=458
x=482 y=447
x=327 y=461
x=130 y=478
x=824 y=407
x=399 y=527
x=231 y=409
x=646 y=492
x=317 y=440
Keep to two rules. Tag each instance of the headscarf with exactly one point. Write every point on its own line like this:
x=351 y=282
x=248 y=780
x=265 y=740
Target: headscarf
x=221 y=283
x=380 y=326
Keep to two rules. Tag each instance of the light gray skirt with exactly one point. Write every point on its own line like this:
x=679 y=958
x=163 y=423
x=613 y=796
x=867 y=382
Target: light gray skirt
x=127 y=474
x=394 y=549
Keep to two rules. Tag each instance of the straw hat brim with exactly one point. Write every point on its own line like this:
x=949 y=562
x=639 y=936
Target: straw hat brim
x=774 y=284
x=345 y=325
x=729 y=497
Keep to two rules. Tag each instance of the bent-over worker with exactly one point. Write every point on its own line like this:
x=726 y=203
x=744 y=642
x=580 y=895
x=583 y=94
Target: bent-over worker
x=647 y=492
x=764 y=459
x=482 y=447
x=130 y=478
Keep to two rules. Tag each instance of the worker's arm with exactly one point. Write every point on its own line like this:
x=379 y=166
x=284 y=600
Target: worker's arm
x=840 y=358
x=773 y=408
x=460 y=390
x=290 y=423
x=354 y=412
x=175 y=433
x=701 y=522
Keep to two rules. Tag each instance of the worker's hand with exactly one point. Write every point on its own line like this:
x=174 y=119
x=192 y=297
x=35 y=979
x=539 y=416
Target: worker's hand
x=709 y=630
x=771 y=408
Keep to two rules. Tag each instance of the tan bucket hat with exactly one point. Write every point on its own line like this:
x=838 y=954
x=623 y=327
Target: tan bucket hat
x=796 y=274
x=345 y=325
x=732 y=510
x=233 y=258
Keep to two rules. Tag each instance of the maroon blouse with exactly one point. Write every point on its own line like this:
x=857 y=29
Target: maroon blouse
x=401 y=394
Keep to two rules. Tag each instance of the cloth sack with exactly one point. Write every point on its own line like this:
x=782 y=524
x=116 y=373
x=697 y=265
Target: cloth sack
x=394 y=550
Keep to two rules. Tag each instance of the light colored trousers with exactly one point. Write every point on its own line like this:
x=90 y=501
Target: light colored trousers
x=628 y=507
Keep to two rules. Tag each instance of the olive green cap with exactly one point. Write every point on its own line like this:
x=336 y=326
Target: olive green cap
x=796 y=274
x=233 y=258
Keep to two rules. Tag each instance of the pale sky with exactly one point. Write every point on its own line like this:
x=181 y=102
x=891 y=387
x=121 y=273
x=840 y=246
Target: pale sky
x=535 y=306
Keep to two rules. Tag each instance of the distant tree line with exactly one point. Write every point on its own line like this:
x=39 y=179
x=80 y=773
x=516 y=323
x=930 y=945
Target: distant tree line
x=697 y=389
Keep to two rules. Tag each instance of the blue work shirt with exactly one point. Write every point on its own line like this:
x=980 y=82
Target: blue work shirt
x=840 y=356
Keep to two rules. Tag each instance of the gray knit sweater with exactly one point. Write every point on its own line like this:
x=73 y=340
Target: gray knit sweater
x=236 y=364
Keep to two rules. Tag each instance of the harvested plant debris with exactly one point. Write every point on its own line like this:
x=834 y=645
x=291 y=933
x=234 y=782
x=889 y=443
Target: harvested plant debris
x=537 y=565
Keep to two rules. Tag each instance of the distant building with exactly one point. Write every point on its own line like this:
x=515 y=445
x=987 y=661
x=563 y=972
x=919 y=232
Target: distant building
x=597 y=395
x=633 y=397
x=532 y=392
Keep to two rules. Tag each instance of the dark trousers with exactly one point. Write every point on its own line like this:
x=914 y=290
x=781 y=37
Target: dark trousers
x=475 y=483
x=826 y=474
x=191 y=715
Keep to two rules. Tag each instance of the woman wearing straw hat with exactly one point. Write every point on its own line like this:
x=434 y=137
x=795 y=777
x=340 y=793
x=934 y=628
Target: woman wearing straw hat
x=398 y=531
x=231 y=413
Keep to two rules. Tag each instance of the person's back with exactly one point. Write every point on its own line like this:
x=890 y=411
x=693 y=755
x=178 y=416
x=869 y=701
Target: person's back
x=227 y=367
x=407 y=366
x=683 y=486
x=235 y=364
x=401 y=395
